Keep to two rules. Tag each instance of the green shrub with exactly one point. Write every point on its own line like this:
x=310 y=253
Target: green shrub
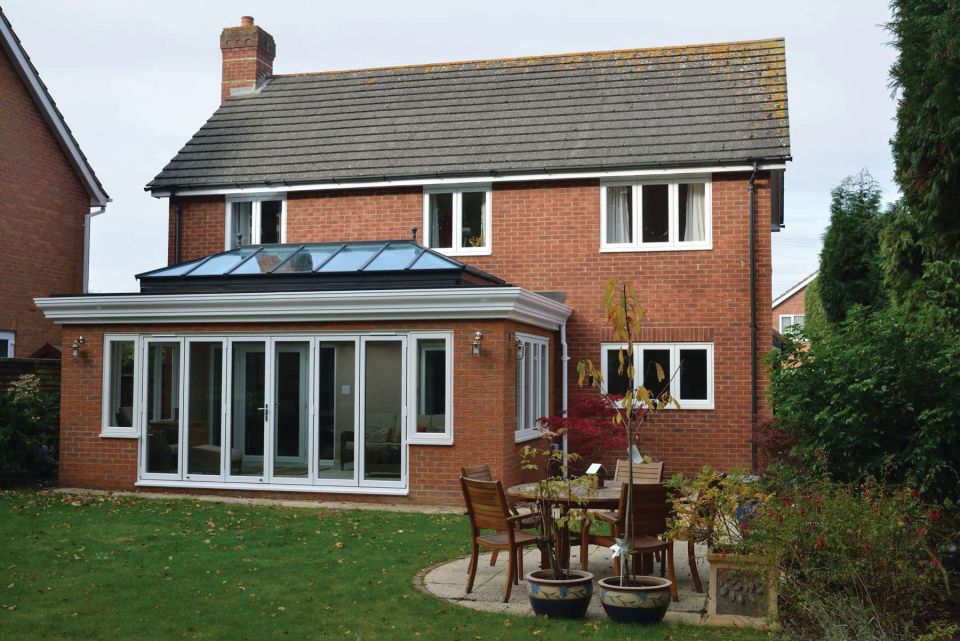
x=857 y=562
x=29 y=429
x=878 y=396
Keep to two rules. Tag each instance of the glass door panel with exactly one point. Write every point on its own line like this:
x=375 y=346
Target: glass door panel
x=336 y=410
x=204 y=408
x=291 y=409
x=383 y=410
x=163 y=408
x=248 y=415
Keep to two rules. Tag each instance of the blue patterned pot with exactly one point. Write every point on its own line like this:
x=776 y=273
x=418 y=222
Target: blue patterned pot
x=644 y=599
x=560 y=598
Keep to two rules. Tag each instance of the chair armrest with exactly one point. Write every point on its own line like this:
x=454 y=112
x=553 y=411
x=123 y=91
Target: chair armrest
x=608 y=517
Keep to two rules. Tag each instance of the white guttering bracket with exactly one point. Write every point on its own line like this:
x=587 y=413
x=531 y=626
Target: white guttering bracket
x=420 y=182
x=511 y=303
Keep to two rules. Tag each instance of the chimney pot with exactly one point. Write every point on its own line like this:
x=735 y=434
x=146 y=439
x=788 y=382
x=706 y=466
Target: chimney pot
x=246 y=21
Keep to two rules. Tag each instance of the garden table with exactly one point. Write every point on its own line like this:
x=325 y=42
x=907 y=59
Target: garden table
x=602 y=498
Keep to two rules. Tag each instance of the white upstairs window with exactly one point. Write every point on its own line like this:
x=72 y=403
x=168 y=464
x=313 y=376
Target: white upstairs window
x=655 y=215
x=255 y=220
x=458 y=221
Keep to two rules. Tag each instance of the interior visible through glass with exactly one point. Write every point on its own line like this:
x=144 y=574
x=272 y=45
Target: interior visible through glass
x=383 y=403
x=431 y=386
x=619 y=214
x=120 y=403
x=693 y=374
x=692 y=210
x=242 y=224
x=163 y=407
x=205 y=408
x=651 y=379
x=472 y=204
x=441 y=221
x=270 y=221
x=336 y=402
x=656 y=213
x=291 y=422
x=248 y=407
x=616 y=381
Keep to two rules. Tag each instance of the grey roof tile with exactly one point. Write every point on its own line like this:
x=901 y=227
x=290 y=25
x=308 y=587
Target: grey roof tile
x=672 y=106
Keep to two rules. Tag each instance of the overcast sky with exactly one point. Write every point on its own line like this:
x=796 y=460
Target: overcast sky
x=135 y=80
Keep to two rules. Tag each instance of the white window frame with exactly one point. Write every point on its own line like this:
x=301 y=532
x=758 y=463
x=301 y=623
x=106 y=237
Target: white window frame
x=107 y=427
x=413 y=377
x=793 y=318
x=636 y=243
x=541 y=394
x=609 y=350
x=457 y=249
x=230 y=232
x=11 y=337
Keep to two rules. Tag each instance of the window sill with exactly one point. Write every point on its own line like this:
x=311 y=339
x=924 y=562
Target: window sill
x=119 y=434
x=522 y=436
x=623 y=249
x=463 y=252
x=276 y=487
x=446 y=440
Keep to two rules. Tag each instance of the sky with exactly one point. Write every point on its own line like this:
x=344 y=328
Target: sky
x=134 y=80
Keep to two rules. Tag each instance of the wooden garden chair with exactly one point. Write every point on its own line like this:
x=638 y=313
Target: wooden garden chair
x=642 y=472
x=482 y=473
x=651 y=511
x=489 y=511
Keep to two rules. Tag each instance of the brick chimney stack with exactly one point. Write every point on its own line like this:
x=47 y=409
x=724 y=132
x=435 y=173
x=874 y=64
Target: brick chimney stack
x=248 y=53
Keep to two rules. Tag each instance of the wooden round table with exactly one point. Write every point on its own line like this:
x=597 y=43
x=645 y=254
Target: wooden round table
x=603 y=498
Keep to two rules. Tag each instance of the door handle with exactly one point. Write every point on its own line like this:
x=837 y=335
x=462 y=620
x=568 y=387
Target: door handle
x=266 y=412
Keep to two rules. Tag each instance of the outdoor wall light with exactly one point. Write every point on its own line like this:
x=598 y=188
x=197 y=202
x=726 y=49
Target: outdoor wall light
x=75 y=348
x=519 y=347
x=477 y=337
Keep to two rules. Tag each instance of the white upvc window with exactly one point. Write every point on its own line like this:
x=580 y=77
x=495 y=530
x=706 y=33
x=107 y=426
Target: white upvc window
x=656 y=215
x=458 y=221
x=431 y=388
x=255 y=220
x=533 y=384
x=120 y=404
x=688 y=370
x=789 y=320
x=8 y=343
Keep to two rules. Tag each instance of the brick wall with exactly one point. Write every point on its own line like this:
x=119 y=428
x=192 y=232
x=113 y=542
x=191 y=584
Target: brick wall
x=546 y=237
x=42 y=209
x=793 y=305
x=484 y=406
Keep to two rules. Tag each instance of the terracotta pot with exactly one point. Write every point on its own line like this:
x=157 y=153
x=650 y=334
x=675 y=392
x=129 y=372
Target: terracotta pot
x=560 y=598
x=643 y=599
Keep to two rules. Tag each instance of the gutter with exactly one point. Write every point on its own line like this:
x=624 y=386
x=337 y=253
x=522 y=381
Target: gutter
x=564 y=382
x=754 y=404
x=177 y=213
x=87 y=222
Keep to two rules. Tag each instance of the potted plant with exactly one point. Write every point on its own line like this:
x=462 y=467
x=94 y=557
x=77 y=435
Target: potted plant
x=556 y=592
x=717 y=509
x=629 y=597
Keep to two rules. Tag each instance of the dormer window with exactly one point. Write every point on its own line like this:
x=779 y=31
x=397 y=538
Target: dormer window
x=457 y=222
x=256 y=220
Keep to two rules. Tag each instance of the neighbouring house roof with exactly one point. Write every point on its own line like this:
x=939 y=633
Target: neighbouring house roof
x=31 y=79
x=793 y=290
x=700 y=105
x=396 y=264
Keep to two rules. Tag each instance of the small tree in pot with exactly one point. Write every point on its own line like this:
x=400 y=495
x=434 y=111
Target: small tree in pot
x=629 y=597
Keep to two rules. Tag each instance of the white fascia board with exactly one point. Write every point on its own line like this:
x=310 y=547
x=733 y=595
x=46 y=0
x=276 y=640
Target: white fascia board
x=511 y=303
x=477 y=180
x=793 y=290
x=98 y=197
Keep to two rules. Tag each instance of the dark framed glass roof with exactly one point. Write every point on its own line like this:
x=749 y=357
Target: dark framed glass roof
x=346 y=265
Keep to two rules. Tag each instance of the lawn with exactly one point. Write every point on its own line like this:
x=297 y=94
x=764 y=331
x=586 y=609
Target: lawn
x=78 y=567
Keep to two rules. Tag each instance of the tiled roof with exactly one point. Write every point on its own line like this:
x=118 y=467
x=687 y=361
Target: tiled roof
x=631 y=109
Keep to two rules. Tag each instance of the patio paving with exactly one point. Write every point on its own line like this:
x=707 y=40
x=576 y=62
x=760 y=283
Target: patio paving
x=448 y=581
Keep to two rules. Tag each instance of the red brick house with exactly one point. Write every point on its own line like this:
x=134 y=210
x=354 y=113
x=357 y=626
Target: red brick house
x=48 y=193
x=378 y=276
x=788 y=307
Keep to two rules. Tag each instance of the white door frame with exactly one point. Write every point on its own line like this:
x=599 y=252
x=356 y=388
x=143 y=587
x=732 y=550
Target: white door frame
x=359 y=442
x=145 y=409
x=224 y=401
x=307 y=395
x=266 y=461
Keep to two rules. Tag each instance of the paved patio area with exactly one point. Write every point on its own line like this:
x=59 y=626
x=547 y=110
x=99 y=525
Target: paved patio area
x=448 y=581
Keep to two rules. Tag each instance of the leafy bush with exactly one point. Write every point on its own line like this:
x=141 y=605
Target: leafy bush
x=29 y=429
x=589 y=427
x=879 y=396
x=857 y=561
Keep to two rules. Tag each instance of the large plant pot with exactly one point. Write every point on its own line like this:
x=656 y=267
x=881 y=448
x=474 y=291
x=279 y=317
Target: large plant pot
x=743 y=590
x=642 y=599
x=560 y=598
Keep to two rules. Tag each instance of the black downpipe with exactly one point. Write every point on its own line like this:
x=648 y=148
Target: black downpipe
x=754 y=404
x=177 y=212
